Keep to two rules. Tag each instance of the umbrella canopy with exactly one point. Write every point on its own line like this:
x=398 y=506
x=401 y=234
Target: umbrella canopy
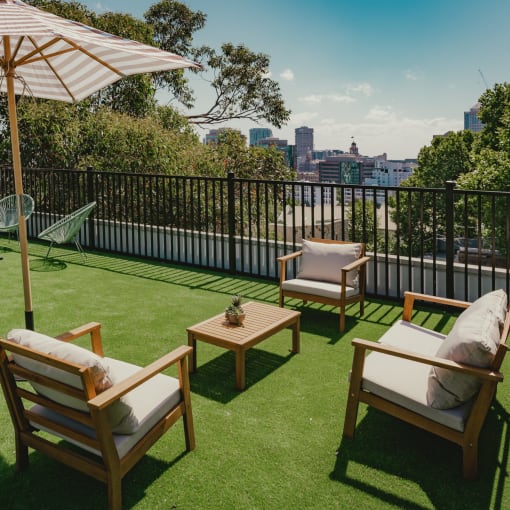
x=54 y=58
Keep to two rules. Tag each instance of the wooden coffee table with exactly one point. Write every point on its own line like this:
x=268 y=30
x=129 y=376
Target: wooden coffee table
x=261 y=322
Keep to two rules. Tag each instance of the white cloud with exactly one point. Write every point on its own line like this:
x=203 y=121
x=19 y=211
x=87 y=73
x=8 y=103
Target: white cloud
x=319 y=98
x=382 y=129
x=413 y=74
x=300 y=119
x=380 y=114
x=287 y=74
x=362 y=88
x=312 y=98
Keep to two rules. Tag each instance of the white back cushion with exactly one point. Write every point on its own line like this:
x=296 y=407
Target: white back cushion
x=64 y=351
x=473 y=340
x=323 y=261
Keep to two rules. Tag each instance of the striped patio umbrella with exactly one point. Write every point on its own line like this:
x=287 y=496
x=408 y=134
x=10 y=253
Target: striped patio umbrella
x=50 y=57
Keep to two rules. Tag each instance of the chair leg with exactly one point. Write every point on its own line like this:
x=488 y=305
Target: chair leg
x=115 y=493
x=470 y=461
x=352 y=406
x=351 y=415
x=342 y=320
x=49 y=249
x=80 y=249
x=280 y=301
x=21 y=454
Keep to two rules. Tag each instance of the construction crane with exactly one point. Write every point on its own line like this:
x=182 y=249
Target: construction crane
x=483 y=78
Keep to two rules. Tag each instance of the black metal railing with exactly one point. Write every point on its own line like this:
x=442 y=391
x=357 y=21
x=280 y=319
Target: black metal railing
x=440 y=241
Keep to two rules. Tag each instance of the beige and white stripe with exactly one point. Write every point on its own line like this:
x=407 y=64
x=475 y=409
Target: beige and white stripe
x=66 y=60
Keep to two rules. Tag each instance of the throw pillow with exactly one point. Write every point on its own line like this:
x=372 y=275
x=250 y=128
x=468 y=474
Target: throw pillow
x=473 y=340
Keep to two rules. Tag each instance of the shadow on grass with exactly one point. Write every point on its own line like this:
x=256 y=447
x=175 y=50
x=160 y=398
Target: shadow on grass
x=41 y=484
x=215 y=379
x=392 y=447
x=47 y=265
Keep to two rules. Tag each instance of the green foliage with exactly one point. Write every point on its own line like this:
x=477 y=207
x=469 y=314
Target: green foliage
x=248 y=162
x=445 y=159
x=121 y=127
x=173 y=25
x=240 y=79
x=475 y=162
x=495 y=114
x=243 y=87
x=59 y=135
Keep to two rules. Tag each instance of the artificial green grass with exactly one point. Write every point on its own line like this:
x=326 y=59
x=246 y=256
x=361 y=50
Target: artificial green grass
x=278 y=444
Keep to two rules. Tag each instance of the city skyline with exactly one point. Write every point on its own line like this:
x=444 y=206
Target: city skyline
x=390 y=74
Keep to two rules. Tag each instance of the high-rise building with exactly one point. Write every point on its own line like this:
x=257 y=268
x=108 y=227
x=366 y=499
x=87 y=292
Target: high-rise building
x=212 y=137
x=471 y=120
x=257 y=134
x=304 y=144
x=342 y=169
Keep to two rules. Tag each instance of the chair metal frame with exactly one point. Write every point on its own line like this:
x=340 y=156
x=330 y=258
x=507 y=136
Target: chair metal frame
x=9 y=213
x=66 y=229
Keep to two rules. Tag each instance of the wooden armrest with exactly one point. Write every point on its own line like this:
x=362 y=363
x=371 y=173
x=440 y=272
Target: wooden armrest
x=94 y=328
x=290 y=256
x=283 y=264
x=482 y=373
x=112 y=394
x=411 y=297
x=357 y=263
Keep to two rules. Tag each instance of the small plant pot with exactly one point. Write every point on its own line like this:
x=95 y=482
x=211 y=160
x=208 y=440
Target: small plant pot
x=236 y=319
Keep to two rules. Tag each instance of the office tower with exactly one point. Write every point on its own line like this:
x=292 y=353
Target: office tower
x=257 y=134
x=471 y=120
x=304 y=144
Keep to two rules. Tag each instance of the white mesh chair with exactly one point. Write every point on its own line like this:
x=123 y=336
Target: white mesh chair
x=66 y=230
x=9 y=219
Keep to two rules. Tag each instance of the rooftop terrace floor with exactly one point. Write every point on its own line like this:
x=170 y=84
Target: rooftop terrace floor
x=278 y=444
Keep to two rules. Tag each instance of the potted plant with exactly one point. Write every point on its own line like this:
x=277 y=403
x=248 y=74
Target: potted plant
x=234 y=312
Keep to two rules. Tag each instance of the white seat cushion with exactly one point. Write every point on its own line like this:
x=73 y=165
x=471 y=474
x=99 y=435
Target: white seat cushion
x=317 y=288
x=149 y=403
x=405 y=382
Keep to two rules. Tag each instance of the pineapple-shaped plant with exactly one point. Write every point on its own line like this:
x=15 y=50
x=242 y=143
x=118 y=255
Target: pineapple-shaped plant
x=234 y=312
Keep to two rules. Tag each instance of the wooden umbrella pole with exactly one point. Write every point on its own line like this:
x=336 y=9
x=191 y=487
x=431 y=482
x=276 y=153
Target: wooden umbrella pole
x=18 y=183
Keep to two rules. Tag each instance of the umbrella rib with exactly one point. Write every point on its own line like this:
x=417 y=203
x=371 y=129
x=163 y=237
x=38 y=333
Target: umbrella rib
x=39 y=49
x=27 y=59
x=30 y=57
x=93 y=57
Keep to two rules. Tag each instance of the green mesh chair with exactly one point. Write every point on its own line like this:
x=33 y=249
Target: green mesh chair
x=66 y=230
x=9 y=220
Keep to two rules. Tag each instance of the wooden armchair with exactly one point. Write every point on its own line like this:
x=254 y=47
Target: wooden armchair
x=331 y=272
x=444 y=385
x=106 y=407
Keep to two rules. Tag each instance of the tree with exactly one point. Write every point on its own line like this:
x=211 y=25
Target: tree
x=249 y=162
x=242 y=86
x=445 y=159
x=495 y=115
x=420 y=216
x=173 y=25
x=240 y=78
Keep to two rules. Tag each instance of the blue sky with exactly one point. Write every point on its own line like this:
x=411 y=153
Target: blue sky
x=390 y=73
